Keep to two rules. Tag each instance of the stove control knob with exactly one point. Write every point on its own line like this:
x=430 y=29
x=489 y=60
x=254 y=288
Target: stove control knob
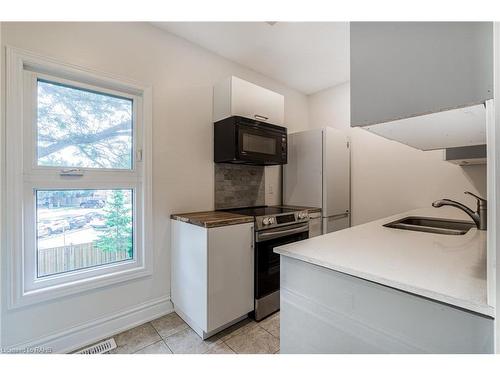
x=302 y=215
x=266 y=221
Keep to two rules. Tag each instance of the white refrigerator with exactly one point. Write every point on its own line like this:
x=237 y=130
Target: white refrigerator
x=318 y=175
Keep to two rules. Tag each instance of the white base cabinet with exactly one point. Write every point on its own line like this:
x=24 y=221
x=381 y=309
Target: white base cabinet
x=324 y=311
x=212 y=275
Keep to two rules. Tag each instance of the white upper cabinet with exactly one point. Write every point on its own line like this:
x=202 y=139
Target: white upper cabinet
x=236 y=97
x=409 y=70
x=447 y=129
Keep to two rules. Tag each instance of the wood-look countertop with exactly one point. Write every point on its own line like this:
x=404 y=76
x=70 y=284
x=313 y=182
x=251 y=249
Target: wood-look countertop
x=212 y=219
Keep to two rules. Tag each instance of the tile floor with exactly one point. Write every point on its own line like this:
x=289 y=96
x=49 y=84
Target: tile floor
x=169 y=334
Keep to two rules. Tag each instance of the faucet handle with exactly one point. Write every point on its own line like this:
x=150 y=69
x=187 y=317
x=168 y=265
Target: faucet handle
x=482 y=200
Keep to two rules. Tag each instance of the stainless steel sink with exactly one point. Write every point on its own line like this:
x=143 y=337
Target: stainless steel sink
x=432 y=225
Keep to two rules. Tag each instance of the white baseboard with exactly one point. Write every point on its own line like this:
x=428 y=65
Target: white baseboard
x=90 y=332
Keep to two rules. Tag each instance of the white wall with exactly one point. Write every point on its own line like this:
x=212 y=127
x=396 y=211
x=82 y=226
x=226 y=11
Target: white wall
x=388 y=177
x=182 y=76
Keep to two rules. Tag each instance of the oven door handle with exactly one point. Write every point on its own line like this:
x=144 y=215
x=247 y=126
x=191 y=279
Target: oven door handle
x=269 y=235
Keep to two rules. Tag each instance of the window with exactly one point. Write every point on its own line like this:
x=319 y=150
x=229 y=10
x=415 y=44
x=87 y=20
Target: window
x=81 y=163
x=81 y=128
x=79 y=229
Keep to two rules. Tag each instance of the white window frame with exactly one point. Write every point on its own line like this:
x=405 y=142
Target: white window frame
x=23 y=175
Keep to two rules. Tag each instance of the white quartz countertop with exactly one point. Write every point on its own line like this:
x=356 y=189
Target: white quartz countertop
x=445 y=268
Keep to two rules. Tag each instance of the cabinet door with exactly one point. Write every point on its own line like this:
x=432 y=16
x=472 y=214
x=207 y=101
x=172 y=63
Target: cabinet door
x=255 y=102
x=230 y=273
x=189 y=272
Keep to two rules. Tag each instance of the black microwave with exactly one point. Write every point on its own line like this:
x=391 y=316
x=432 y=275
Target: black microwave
x=240 y=140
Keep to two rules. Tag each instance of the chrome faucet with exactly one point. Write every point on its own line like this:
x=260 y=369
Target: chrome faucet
x=479 y=217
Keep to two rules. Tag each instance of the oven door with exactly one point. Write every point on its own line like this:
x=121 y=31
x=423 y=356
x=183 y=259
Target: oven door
x=267 y=262
x=261 y=144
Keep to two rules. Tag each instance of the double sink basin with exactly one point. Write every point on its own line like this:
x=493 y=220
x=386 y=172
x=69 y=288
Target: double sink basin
x=432 y=225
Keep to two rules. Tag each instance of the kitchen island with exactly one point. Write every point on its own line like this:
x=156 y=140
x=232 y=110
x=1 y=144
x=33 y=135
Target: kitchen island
x=389 y=290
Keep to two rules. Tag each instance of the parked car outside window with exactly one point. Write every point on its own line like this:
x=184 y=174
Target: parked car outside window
x=49 y=227
x=43 y=229
x=93 y=203
x=91 y=215
x=60 y=225
x=77 y=222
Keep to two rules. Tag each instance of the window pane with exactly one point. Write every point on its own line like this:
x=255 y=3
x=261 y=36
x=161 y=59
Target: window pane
x=79 y=229
x=80 y=128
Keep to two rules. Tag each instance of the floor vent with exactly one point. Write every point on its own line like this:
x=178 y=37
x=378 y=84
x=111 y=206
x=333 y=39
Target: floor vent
x=99 y=348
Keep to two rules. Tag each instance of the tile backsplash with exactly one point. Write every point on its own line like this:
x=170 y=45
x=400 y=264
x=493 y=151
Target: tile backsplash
x=239 y=186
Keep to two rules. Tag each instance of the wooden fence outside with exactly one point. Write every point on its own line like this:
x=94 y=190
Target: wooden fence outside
x=73 y=257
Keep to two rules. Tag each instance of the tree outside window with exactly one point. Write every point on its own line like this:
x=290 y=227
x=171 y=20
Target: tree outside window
x=118 y=233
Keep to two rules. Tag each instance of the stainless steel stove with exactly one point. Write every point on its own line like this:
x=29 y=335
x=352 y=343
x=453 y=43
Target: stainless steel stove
x=274 y=226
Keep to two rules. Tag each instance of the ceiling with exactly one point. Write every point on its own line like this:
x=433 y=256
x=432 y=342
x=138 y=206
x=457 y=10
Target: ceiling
x=307 y=56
